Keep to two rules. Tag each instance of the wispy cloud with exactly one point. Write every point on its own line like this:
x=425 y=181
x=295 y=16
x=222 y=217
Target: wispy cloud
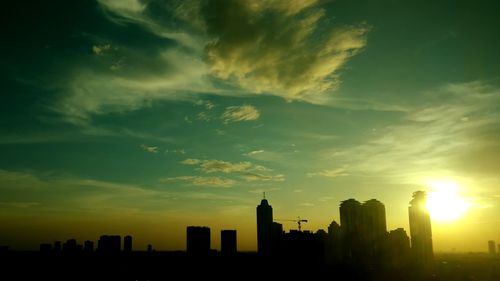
x=207 y=104
x=253 y=152
x=202 y=181
x=329 y=173
x=208 y=114
x=433 y=138
x=240 y=113
x=150 y=149
x=123 y=7
x=248 y=171
x=210 y=166
x=55 y=192
x=94 y=91
x=306 y=204
x=101 y=49
x=325 y=198
x=176 y=151
x=260 y=177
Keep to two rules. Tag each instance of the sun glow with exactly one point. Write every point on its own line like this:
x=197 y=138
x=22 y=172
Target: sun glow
x=444 y=201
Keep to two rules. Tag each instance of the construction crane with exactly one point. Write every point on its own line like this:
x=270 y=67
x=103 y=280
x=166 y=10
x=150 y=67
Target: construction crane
x=299 y=221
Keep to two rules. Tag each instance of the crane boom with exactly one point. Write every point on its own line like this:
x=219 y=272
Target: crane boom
x=299 y=222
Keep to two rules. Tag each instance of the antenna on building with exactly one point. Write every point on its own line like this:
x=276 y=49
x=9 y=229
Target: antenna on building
x=264 y=194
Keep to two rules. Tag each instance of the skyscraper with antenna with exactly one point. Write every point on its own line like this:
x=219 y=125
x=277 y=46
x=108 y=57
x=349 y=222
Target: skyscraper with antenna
x=264 y=226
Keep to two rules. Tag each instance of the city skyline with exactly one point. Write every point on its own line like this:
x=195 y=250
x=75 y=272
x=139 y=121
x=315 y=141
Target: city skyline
x=140 y=117
x=362 y=232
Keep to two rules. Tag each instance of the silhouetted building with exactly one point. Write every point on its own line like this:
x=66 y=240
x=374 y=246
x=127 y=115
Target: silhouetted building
x=333 y=252
x=109 y=244
x=57 y=246
x=228 y=245
x=45 y=247
x=70 y=246
x=397 y=250
x=127 y=244
x=88 y=246
x=374 y=227
x=198 y=240
x=264 y=228
x=491 y=247
x=351 y=227
x=420 y=230
x=300 y=247
x=320 y=242
x=150 y=248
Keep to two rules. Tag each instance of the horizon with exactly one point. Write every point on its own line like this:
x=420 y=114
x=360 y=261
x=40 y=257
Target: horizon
x=216 y=239
x=143 y=117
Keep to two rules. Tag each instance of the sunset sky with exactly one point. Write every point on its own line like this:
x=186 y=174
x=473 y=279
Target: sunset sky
x=144 y=117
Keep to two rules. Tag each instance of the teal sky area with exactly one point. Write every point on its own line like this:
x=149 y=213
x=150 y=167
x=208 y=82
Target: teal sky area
x=143 y=117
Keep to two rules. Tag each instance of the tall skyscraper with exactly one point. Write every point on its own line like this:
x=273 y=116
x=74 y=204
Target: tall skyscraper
x=198 y=240
x=491 y=247
x=420 y=230
x=363 y=230
x=351 y=230
x=228 y=244
x=374 y=218
x=127 y=244
x=374 y=226
x=264 y=227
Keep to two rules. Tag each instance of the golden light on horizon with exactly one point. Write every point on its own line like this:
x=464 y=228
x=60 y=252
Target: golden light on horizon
x=444 y=202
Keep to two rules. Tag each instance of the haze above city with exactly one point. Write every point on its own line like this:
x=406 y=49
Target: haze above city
x=144 y=117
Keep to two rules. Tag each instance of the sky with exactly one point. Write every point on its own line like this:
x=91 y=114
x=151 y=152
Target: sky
x=143 y=117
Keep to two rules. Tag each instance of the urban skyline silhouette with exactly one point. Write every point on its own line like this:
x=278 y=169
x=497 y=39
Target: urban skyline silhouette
x=359 y=248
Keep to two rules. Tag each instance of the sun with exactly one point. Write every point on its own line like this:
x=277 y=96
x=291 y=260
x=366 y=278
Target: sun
x=444 y=201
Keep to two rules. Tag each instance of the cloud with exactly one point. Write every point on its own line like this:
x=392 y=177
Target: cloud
x=190 y=161
x=283 y=49
x=208 y=105
x=325 y=198
x=208 y=114
x=248 y=171
x=202 y=181
x=100 y=49
x=329 y=173
x=253 y=152
x=63 y=193
x=260 y=177
x=306 y=204
x=240 y=113
x=291 y=50
x=150 y=149
x=211 y=166
x=167 y=75
x=433 y=140
x=176 y=151
x=204 y=116
x=220 y=132
x=123 y=7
